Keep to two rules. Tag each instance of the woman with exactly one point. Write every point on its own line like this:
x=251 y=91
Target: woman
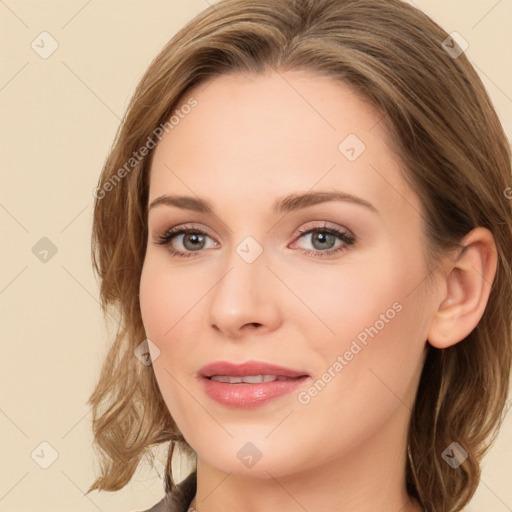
x=304 y=224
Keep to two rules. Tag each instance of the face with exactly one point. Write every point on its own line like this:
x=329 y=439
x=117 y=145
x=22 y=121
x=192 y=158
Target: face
x=331 y=287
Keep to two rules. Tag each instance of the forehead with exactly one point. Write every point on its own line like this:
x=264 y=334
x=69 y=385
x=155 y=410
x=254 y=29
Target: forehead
x=248 y=135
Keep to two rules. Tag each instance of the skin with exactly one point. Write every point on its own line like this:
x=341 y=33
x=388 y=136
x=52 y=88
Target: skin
x=253 y=139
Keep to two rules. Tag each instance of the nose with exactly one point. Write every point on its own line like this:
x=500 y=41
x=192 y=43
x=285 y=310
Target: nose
x=245 y=299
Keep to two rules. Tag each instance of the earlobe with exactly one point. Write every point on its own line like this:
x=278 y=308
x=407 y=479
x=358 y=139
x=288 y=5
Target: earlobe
x=468 y=285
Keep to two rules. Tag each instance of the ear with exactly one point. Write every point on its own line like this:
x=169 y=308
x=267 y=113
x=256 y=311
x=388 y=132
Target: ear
x=468 y=284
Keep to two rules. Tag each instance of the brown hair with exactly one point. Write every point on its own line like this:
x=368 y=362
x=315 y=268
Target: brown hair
x=457 y=158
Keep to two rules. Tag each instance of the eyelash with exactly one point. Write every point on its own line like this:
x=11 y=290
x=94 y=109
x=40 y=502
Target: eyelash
x=344 y=236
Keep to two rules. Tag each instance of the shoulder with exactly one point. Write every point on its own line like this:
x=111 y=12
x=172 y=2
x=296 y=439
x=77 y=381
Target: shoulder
x=180 y=499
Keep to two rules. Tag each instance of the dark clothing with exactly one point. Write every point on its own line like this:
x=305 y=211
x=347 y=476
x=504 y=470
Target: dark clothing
x=180 y=499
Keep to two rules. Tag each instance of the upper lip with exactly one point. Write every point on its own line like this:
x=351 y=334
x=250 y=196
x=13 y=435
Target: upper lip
x=248 y=368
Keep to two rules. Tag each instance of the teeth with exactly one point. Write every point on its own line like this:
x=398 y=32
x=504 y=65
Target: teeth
x=249 y=379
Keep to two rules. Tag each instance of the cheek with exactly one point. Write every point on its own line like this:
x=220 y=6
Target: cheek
x=166 y=296
x=343 y=300
x=165 y=300
x=369 y=317
x=173 y=312
x=377 y=375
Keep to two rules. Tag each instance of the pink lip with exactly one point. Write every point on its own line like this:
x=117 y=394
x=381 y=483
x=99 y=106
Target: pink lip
x=248 y=368
x=245 y=395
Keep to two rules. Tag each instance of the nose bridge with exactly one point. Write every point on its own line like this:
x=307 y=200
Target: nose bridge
x=244 y=294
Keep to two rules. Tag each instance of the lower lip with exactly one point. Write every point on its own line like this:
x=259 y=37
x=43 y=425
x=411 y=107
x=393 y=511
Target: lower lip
x=245 y=396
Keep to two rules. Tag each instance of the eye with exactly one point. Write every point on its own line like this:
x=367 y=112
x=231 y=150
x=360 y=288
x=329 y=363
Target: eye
x=325 y=240
x=189 y=237
x=184 y=241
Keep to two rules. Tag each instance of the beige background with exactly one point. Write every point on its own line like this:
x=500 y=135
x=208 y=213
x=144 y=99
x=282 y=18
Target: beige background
x=59 y=118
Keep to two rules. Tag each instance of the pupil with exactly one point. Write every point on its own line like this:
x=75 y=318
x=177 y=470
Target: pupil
x=325 y=240
x=194 y=240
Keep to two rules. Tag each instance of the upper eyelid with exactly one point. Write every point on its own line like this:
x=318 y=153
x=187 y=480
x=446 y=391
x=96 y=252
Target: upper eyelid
x=325 y=225
x=188 y=227
x=303 y=227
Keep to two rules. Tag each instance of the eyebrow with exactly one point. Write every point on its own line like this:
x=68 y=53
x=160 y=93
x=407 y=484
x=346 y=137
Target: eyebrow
x=287 y=204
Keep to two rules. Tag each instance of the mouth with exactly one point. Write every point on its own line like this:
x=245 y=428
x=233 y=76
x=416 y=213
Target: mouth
x=249 y=384
x=251 y=379
x=251 y=370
